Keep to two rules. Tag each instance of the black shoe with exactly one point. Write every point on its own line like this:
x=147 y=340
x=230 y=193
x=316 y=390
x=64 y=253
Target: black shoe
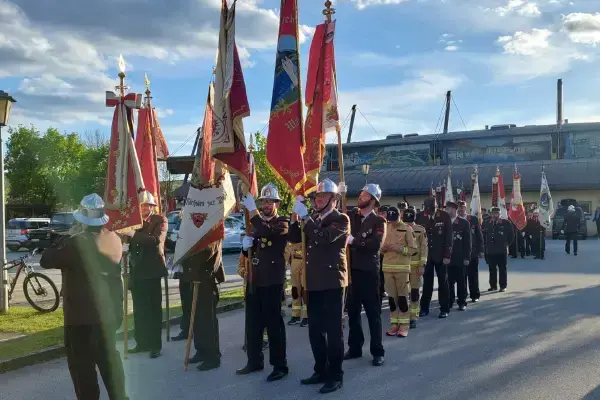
x=574 y=254
x=136 y=350
x=492 y=289
x=331 y=387
x=423 y=313
x=180 y=337
x=543 y=258
x=514 y=257
x=248 y=369
x=413 y=324
x=462 y=307
x=443 y=315
x=378 y=361
x=314 y=379
x=503 y=290
x=522 y=256
x=207 y=365
x=294 y=321
x=195 y=359
x=276 y=375
x=154 y=353
x=304 y=322
x=351 y=356
x=244 y=347
x=474 y=300
x=536 y=258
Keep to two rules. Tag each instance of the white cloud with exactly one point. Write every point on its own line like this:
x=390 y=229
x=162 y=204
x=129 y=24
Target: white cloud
x=520 y=7
x=362 y=4
x=526 y=43
x=582 y=27
x=451 y=48
x=450 y=43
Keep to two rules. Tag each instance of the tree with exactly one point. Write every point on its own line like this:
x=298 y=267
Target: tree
x=266 y=174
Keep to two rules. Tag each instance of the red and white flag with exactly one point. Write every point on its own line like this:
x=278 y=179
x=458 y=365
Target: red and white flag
x=498 y=196
x=476 y=197
x=517 y=209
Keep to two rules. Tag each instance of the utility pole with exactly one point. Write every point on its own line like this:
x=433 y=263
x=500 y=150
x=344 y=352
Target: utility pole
x=198 y=132
x=351 y=124
x=447 y=116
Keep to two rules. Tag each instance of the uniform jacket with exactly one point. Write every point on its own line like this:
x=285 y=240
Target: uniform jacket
x=91 y=277
x=571 y=222
x=147 y=249
x=402 y=241
x=420 y=257
x=534 y=228
x=206 y=266
x=369 y=234
x=439 y=234
x=477 y=246
x=461 y=248
x=268 y=251
x=326 y=264
x=499 y=236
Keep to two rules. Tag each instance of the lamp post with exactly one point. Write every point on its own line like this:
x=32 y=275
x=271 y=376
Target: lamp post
x=365 y=170
x=5 y=104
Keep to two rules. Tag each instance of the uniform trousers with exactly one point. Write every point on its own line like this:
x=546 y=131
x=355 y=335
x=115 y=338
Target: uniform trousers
x=497 y=267
x=206 y=323
x=441 y=270
x=415 y=290
x=186 y=295
x=397 y=285
x=147 y=313
x=472 y=277
x=571 y=236
x=263 y=310
x=298 y=303
x=326 y=333
x=538 y=246
x=365 y=292
x=88 y=347
x=457 y=287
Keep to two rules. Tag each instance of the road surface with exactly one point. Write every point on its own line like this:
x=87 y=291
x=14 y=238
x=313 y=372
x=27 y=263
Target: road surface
x=540 y=340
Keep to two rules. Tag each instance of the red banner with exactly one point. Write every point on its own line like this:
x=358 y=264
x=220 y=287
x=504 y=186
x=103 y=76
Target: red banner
x=146 y=154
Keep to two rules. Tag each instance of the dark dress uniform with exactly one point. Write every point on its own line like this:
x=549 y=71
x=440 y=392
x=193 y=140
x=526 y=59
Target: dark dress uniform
x=263 y=298
x=477 y=248
x=499 y=236
x=529 y=247
x=326 y=278
x=364 y=291
x=518 y=245
x=571 y=228
x=439 y=241
x=93 y=309
x=148 y=268
x=537 y=236
x=461 y=254
x=206 y=269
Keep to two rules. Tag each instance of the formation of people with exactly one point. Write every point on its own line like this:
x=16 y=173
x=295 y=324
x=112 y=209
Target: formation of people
x=341 y=263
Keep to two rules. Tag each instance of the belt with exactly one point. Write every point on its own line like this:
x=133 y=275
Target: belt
x=298 y=257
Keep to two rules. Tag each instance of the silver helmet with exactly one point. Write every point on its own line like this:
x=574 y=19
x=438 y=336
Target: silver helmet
x=374 y=190
x=148 y=198
x=91 y=211
x=269 y=192
x=327 y=186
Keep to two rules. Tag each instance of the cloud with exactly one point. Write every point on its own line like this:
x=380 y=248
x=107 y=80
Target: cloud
x=519 y=7
x=362 y=4
x=451 y=48
x=526 y=43
x=451 y=44
x=582 y=27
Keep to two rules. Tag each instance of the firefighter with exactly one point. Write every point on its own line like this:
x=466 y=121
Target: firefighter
x=570 y=228
x=263 y=303
x=477 y=249
x=499 y=236
x=537 y=234
x=417 y=265
x=294 y=257
x=460 y=258
x=242 y=271
x=397 y=251
x=439 y=241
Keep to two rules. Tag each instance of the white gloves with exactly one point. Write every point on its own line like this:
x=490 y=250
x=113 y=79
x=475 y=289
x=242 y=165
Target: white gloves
x=249 y=203
x=300 y=208
x=247 y=242
x=125 y=247
x=523 y=234
x=562 y=232
x=350 y=239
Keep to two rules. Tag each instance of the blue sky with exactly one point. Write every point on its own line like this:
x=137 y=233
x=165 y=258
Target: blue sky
x=395 y=59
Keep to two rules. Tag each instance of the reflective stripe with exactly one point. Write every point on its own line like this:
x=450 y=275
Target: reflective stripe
x=303 y=308
x=396 y=268
x=296 y=308
x=403 y=320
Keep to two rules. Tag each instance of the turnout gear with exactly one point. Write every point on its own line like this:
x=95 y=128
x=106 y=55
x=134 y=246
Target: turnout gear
x=417 y=265
x=294 y=259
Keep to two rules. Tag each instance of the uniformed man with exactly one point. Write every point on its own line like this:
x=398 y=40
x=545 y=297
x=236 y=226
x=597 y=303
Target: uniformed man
x=439 y=240
x=365 y=241
x=499 y=236
x=570 y=228
x=294 y=258
x=460 y=258
x=398 y=248
x=518 y=245
x=417 y=265
x=528 y=236
x=148 y=268
x=242 y=271
x=536 y=232
x=477 y=249
x=263 y=299
x=327 y=233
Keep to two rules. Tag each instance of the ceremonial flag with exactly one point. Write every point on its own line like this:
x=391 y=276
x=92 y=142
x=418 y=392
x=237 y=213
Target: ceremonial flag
x=230 y=101
x=431 y=191
x=321 y=100
x=545 y=204
x=449 y=196
x=210 y=197
x=462 y=194
x=476 y=198
x=498 y=196
x=517 y=209
x=144 y=147
x=124 y=182
x=285 y=139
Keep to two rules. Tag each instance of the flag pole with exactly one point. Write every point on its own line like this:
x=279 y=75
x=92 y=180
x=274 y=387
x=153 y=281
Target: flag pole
x=150 y=114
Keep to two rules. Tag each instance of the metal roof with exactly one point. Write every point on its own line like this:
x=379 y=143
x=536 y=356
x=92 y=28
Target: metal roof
x=561 y=174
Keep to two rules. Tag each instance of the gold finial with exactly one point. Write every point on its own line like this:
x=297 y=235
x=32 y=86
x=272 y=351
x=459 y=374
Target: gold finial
x=328 y=11
x=147 y=92
x=251 y=145
x=121 y=86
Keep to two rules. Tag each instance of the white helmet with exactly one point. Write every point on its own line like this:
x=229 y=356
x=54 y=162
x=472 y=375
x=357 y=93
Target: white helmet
x=374 y=190
x=327 y=186
x=571 y=208
x=269 y=192
x=148 y=198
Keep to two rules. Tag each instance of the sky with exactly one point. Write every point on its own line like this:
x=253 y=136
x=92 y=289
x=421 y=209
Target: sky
x=395 y=59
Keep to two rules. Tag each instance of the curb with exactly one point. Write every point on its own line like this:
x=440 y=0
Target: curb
x=55 y=352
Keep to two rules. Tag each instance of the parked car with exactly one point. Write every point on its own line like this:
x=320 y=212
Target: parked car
x=234 y=231
x=559 y=217
x=60 y=224
x=17 y=230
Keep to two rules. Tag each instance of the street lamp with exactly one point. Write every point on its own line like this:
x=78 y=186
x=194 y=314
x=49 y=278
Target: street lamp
x=5 y=104
x=365 y=170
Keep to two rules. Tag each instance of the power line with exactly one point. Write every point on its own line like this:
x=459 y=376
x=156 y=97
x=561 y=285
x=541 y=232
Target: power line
x=186 y=141
x=368 y=122
x=461 y=118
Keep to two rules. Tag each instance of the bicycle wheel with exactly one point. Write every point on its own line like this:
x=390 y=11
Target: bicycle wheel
x=45 y=291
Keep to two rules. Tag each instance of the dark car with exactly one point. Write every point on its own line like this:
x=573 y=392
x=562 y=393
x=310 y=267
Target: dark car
x=559 y=218
x=60 y=224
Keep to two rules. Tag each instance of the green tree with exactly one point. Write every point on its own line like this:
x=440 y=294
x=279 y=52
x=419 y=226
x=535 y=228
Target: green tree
x=23 y=166
x=266 y=174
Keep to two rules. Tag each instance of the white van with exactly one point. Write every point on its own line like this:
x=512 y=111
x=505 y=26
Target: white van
x=17 y=229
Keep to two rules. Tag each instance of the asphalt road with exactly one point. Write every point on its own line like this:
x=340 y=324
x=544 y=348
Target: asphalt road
x=540 y=340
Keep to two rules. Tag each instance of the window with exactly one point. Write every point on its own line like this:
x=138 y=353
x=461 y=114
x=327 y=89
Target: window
x=37 y=224
x=586 y=206
x=15 y=224
x=62 y=219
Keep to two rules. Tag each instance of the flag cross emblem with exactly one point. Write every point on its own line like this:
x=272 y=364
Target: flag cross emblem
x=198 y=219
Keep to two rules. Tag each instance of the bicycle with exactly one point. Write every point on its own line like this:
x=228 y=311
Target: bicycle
x=33 y=281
